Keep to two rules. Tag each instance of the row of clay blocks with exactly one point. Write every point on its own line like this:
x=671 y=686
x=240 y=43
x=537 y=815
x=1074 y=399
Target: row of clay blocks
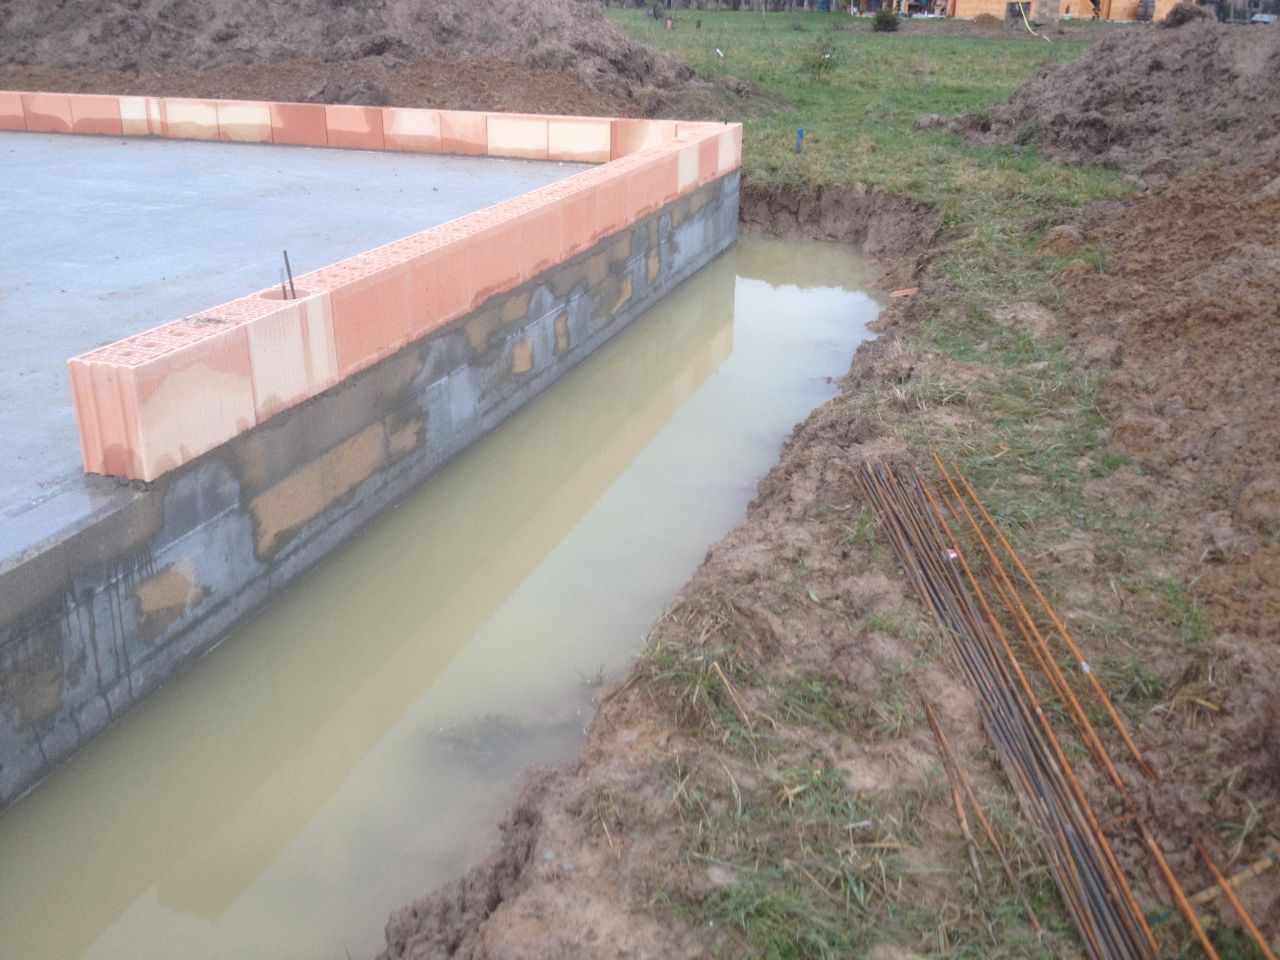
x=154 y=401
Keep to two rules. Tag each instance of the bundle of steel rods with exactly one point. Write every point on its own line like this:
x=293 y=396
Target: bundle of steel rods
x=1080 y=858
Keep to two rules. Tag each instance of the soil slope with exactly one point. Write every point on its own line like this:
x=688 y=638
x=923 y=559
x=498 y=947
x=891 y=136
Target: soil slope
x=1154 y=101
x=530 y=55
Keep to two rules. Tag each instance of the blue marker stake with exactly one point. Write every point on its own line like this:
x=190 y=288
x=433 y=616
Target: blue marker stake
x=800 y=140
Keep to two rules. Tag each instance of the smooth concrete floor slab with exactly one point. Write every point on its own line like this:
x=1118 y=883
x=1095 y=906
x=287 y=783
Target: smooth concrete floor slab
x=105 y=237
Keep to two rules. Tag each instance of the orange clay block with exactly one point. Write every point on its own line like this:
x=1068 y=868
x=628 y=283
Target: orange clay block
x=464 y=133
x=667 y=174
x=581 y=215
x=47 y=112
x=152 y=402
x=12 y=116
x=726 y=154
x=410 y=129
x=542 y=231
x=190 y=119
x=697 y=130
x=244 y=121
x=687 y=167
x=370 y=304
x=440 y=285
x=632 y=136
x=708 y=159
x=517 y=135
x=299 y=124
x=93 y=114
x=496 y=260
x=611 y=201
x=292 y=353
x=355 y=128
x=643 y=191
x=103 y=417
x=140 y=117
x=579 y=139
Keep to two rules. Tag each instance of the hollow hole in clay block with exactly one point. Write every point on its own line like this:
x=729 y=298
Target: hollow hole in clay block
x=278 y=295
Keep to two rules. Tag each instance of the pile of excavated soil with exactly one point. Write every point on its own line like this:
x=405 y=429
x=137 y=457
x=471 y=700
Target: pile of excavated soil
x=1152 y=100
x=444 y=84
x=198 y=34
x=561 y=55
x=1182 y=320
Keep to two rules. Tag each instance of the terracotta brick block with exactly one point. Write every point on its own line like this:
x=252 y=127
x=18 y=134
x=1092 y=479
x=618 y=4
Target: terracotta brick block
x=354 y=128
x=708 y=159
x=134 y=120
x=517 y=135
x=101 y=418
x=463 y=132
x=440 y=283
x=190 y=119
x=687 y=167
x=155 y=401
x=666 y=172
x=299 y=124
x=47 y=112
x=410 y=129
x=579 y=139
x=726 y=154
x=12 y=116
x=581 y=216
x=612 y=209
x=94 y=114
x=696 y=130
x=244 y=121
x=643 y=190
x=542 y=233
x=632 y=136
x=292 y=352
x=370 y=308
x=496 y=257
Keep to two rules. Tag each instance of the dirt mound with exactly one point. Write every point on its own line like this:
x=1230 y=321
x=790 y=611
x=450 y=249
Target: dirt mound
x=1153 y=101
x=1182 y=317
x=147 y=36
x=479 y=84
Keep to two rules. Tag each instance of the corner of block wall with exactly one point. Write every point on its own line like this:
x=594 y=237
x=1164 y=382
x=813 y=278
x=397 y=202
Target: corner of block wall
x=363 y=309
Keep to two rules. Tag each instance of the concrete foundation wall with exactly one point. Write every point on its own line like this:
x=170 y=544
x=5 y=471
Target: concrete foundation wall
x=95 y=621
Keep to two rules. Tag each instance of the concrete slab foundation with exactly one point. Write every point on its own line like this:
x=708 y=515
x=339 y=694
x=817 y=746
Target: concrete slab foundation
x=145 y=230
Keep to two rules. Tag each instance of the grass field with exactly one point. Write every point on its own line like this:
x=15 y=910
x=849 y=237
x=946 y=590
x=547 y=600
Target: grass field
x=857 y=95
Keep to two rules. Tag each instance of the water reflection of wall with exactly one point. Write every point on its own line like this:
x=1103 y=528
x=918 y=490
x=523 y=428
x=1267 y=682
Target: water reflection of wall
x=198 y=790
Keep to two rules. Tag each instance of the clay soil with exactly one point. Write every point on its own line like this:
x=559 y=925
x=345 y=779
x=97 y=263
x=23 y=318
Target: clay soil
x=1153 y=101
x=520 y=55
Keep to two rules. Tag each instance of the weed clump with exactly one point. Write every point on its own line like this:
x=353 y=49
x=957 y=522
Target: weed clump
x=885 y=21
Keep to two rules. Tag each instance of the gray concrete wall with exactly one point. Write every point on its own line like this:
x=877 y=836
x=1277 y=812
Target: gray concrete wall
x=96 y=620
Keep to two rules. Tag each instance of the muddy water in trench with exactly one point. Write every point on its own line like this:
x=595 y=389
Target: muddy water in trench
x=358 y=741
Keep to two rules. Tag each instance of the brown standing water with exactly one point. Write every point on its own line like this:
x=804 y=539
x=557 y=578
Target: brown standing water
x=358 y=741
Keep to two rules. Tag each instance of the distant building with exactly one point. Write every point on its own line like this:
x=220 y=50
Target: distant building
x=1043 y=10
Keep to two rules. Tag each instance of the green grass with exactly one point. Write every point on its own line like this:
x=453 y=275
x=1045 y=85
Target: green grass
x=857 y=95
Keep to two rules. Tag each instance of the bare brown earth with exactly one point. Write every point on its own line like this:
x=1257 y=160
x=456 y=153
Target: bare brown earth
x=1153 y=101
x=501 y=54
